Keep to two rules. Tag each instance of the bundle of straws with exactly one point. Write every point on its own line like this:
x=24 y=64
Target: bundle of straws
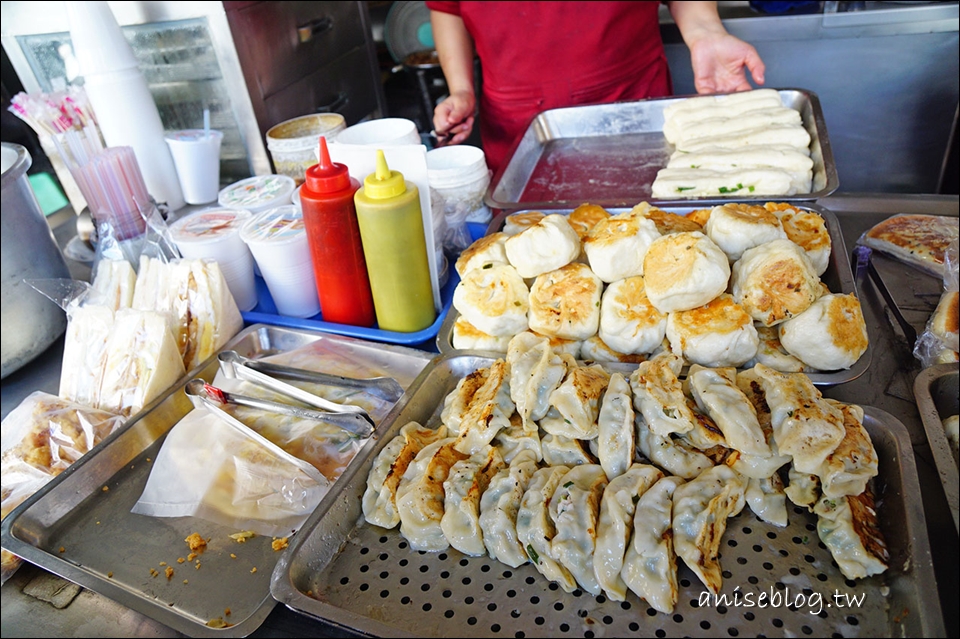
x=108 y=178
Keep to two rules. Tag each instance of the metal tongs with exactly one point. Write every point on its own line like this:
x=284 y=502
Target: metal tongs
x=203 y=394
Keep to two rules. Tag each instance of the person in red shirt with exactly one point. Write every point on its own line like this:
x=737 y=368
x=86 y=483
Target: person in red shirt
x=536 y=56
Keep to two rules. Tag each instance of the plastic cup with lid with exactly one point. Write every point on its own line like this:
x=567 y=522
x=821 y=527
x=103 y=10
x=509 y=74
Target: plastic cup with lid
x=278 y=240
x=258 y=193
x=214 y=234
x=196 y=156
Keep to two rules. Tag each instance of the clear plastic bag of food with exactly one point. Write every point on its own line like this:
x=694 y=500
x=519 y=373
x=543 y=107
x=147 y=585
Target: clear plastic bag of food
x=226 y=473
x=939 y=342
x=41 y=438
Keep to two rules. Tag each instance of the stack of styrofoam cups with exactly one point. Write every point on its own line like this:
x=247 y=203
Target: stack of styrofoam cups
x=278 y=240
x=214 y=234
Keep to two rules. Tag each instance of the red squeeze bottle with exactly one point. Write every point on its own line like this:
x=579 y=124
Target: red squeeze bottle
x=330 y=217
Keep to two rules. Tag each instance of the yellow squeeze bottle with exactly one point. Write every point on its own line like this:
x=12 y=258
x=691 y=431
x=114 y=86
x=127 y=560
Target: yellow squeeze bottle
x=394 y=248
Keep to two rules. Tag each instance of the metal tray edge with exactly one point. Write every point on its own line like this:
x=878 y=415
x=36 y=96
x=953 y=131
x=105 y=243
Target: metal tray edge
x=933 y=426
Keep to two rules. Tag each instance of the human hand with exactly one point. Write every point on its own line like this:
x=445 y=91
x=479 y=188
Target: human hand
x=454 y=117
x=718 y=64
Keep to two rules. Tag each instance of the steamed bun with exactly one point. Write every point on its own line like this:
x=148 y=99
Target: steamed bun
x=684 y=270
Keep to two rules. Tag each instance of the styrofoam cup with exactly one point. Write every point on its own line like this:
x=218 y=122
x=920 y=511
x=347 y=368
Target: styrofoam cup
x=196 y=156
x=214 y=234
x=278 y=240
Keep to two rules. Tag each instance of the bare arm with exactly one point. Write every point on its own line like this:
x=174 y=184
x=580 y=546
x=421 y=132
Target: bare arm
x=455 y=50
x=718 y=58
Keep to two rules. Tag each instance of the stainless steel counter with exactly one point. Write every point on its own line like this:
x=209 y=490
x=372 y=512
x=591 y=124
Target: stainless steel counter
x=38 y=604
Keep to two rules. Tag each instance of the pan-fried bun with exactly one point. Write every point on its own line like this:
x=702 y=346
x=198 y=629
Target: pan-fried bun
x=566 y=302
x=585 y=217
x=485 y=250
x=616 y=245
x=808 y=229
x=466 y=336
x=830 y=335
x=629 y=323
x=775 y=281
x=719 y=333
x=684 y=270
x=494 y=300
x=737 y=227
x=519 y=222
x=545 y=246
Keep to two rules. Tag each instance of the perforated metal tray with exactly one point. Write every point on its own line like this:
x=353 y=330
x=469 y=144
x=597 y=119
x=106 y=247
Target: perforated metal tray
x=368 y=580
x=937 y=391
x=838 y=277
x=609 y=154
x=79 y=526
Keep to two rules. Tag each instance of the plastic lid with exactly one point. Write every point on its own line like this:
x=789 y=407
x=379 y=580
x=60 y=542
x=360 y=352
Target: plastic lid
x=210 y=225
x=384 y=183
x=278 y=225
x=258 y=193
x=327 y=176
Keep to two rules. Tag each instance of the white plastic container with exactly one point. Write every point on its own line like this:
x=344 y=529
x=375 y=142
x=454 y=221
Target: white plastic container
x=293 y=144
x=196 y=156
x=459 y=178
x=258 y=193
x=384 y=132
x=278 y=240
x=215 y=234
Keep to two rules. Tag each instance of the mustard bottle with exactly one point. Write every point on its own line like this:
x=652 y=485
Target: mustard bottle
x=394 y=248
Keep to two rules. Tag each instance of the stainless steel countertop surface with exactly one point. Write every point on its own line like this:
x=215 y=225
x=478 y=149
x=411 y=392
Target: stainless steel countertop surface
x=30 y=599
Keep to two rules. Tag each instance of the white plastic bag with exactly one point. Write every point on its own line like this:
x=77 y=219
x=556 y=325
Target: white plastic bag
x=939 y=343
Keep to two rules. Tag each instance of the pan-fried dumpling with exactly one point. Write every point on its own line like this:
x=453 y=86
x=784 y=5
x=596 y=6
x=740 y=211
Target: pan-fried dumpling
x=617 y=507
x=457 y=401
x=700 y=511
x=658 y=395
x=767 y=499
x=466 y=482
x=649 y=564
x=670 y=454
x=575 y=509
x=617 y=245
x=535 y=528
x=515 y=438
x=420 y=498
x=629 y=322
x=850 y=466
x=380 y=497
x=705 y=434
x=716 y=393
x=803 y=489
x=498 y=510
x=546 y=246
x=848 y=528
x=616 y=445
x=493 y=299
x=565 y=451
x=805 y=425
x=577 y=400
x=535 y=372
x=489 y=411
x=758 y=466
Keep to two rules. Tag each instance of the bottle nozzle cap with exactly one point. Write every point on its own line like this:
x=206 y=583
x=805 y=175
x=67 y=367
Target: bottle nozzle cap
x=327 y=176
x=384 y=183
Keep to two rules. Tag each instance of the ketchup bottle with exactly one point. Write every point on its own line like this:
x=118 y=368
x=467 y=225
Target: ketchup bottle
x=330 y=217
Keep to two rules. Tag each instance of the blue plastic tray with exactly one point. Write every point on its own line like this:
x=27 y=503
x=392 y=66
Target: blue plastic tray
x=265 y=312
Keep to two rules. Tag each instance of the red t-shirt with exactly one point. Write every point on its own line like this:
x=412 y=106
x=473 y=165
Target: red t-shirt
x=536 y=56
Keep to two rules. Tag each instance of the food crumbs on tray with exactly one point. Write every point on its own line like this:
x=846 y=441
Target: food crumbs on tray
x=197 y=566
x=163 y=563
x=218 y=623
x=180 y=560
x=279 y=543
x=196 y=542
x=232 y=556
x=185 y=581
x=242 y=536
x=168 y=572
x=226 y=612
x=149 y=460
x=105 y=488
x=254 y=569
x=62 y=549
x=110 y=575
x=153 y=573
x=191 y=556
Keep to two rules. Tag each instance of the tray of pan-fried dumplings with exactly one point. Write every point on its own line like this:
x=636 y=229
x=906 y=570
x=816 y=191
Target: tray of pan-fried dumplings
x=604 y=312
x=427 y=566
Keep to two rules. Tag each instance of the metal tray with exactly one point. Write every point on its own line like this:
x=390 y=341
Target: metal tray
x=937 y=390
x=609 y=154
x=366 y=579
x=838 y=276
x=79 y=526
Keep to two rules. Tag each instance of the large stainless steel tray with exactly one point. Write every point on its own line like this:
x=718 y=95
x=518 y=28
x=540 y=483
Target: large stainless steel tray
x=838 y=276
x=79 y=526
x=937 y=390
x=366 y=579
x=609 y=154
